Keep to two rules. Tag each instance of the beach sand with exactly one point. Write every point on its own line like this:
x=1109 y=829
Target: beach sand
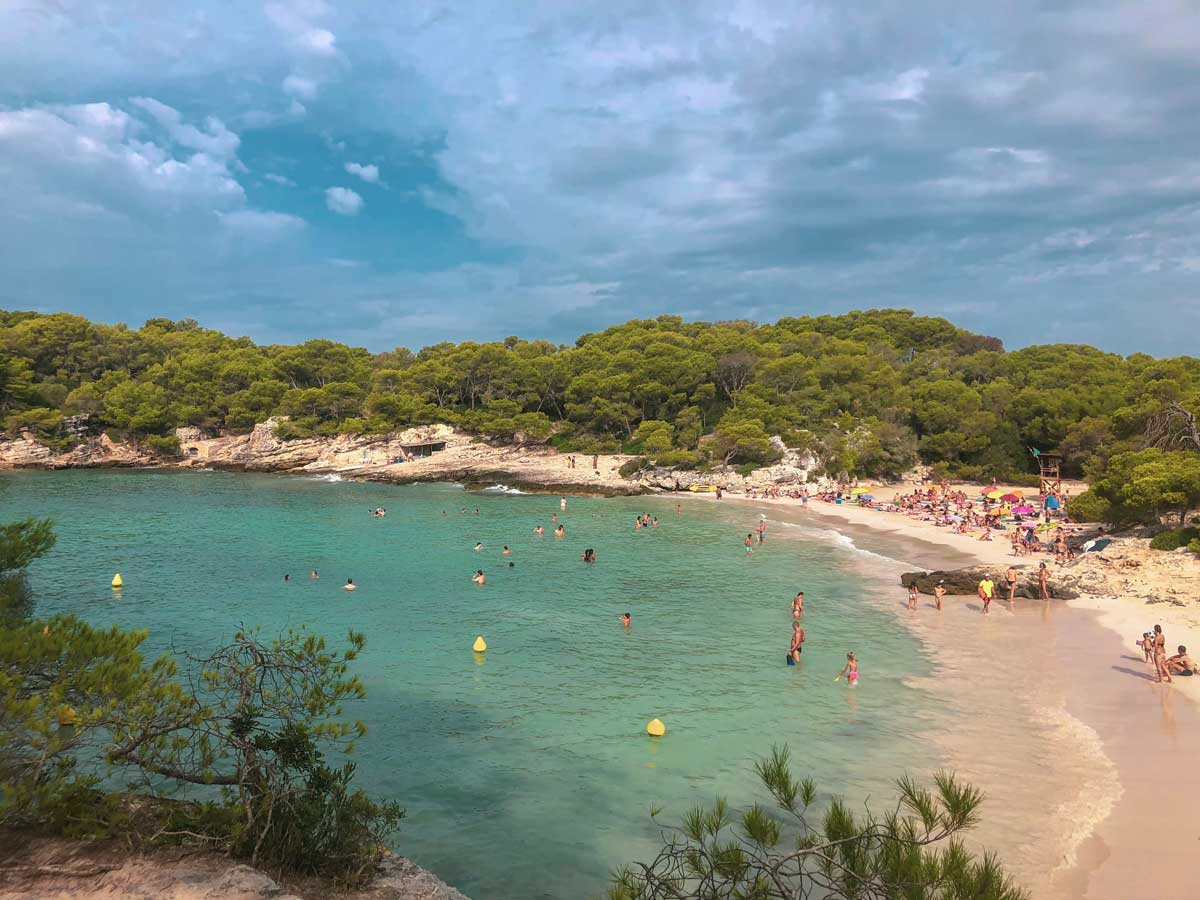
x=1083 y=758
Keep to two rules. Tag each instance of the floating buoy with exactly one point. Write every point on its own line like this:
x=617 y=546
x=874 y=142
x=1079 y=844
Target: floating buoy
x=117 y=582
x=480 y=644
x=66 y=716
x=655 y=728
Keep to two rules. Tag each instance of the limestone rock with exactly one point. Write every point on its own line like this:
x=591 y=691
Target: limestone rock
x=966 y=581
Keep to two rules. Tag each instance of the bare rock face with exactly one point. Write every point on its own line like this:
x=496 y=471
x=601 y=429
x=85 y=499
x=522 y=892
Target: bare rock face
x=966 y=581
x=25 y=451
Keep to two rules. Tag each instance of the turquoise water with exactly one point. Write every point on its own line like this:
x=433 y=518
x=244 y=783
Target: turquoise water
x=527 y=774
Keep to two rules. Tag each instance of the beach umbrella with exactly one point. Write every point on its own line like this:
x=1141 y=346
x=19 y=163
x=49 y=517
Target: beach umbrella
x=1011 y=498
x=859 y=490
x=994 y=495
x=1023 y=510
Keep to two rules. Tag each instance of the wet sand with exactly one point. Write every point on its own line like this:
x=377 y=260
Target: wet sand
x=1081 y=755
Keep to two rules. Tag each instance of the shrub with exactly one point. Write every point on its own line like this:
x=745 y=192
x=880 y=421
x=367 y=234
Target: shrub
x=162 y=444
x=678 y=459
x=1089 y=507
x=1174 y=539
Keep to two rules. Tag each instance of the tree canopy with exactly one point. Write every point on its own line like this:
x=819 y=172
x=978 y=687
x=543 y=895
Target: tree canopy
x=871 y=392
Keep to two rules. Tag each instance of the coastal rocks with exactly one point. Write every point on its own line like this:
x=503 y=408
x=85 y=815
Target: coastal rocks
x=75 y=870
x=966 y=581
x=25 y=451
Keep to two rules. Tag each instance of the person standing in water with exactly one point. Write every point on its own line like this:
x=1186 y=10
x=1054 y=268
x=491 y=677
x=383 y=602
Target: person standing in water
x=987 y=589
x=762 y=530
x=626 y=620
x=913 y=595
x=314 y=576
x=538 y=530
x=798 y=605
x=797 y=645
x=506 y=551
x=349 y=586
x=1010 y=578
x=939 y=591
x=1043 y=582
x=1161 y=671
x=559 y=532
x=479 y=577
x=850 y=670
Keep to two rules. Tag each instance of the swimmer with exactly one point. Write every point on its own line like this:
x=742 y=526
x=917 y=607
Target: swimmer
x=511 y=564
x=637 y=524
x=797 y=645
x=538 y=530
x=553 y=518
x=562 y=502
x=913 y=596
x=349 y=585
x=655 y=522
x=798 y=605
x=479 y=577
x=479 y=547
x=939 y=591
x=287 y=577
x=559 y=532
x=506 y=551
x=626 y=619
x=850 y=670
x=314 y=576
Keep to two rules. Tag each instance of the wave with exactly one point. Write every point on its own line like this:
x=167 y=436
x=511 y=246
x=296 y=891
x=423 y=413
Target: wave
x=501 y=489
x=845 y=542
x=330 y=478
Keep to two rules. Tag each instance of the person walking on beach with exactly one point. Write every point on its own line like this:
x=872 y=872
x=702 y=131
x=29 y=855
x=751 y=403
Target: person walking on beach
x=1043 y=582
x=1010 y=578
x=797 y=644
x=798 y=605
x=939 y=591
x=913 y=595
x=1160 y=656
x=850 y=670
x=987 y=590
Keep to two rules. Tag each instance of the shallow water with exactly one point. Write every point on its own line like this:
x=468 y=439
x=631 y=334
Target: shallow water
x=526 y=773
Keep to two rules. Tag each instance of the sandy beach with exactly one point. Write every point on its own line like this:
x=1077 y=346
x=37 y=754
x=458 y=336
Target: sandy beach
x=1081 y=754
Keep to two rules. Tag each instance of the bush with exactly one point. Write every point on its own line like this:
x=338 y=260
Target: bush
x=1194 y=546
x=162 y=444
x=678 y=459
x=1088 y=507
x=1174 y=539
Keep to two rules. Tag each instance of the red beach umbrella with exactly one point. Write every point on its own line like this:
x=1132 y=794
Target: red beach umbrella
x=1011 y=498
x=1023 y=510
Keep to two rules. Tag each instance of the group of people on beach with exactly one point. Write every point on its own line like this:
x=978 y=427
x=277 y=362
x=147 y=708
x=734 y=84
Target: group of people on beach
x=1154 y=647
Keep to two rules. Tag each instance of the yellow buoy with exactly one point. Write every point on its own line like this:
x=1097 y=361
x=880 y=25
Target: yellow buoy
x=655 y=728
x=480 y=644
x=117 y=582
x=66 y=716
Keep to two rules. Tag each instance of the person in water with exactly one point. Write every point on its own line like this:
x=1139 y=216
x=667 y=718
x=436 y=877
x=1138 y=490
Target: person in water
x=655 y=522
x=939 y=591
x=287 y=577
x=479 y=577
x=538 y=530
x=797 y=644
x=559 y=531
x=798 y=605
x=850 y=670
x=1160 y=656
x=1043 y=582
x=913 y=596
x=1010 y=578
x=479 y=547
x=349 y=585
x=314 y=575
x=749 y=543
x=506 y=551
x=589 y=555
x=626 y=619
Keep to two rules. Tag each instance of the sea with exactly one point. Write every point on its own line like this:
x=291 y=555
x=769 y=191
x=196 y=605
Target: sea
x=526 y=771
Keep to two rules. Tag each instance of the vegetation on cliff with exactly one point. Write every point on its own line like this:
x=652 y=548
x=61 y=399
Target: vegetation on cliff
x=870 y=393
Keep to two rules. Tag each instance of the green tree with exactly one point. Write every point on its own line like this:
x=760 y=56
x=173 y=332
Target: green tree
x=912 y=850
x=1143 y=486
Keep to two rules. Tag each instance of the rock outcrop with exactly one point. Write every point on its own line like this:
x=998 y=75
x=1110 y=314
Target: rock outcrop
x=966 y=581
x=74 y=870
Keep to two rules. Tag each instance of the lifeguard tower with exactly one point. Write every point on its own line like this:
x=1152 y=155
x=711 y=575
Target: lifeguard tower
x=1050 y=471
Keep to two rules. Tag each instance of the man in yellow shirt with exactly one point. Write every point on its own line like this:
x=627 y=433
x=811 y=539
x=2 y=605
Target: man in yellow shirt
x=987 y=590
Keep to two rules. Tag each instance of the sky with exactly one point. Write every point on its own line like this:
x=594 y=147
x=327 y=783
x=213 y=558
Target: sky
x=396 y=174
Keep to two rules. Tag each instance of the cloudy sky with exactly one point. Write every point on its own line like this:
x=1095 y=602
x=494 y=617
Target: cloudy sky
x=401 y=173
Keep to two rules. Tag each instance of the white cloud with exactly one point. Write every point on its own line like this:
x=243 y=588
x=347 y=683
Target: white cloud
x=304 y=88
x=282 y=180
x=217 y=140
x=295 y=20
x=368 y=173
x=261 y=224
x=343 y=201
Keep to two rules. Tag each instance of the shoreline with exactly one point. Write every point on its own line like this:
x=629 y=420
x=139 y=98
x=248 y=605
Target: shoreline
x=1118 y=737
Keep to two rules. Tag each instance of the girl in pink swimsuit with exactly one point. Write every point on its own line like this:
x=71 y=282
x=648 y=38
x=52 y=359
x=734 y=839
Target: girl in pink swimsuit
x=850 y=670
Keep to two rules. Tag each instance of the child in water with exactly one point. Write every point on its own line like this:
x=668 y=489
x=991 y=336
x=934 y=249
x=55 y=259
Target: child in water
x=850 y=670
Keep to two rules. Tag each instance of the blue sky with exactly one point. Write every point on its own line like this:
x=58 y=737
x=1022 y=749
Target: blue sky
x=397 y=174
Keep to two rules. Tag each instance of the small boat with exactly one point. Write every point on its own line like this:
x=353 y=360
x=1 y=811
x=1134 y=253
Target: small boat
x=703 y=488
